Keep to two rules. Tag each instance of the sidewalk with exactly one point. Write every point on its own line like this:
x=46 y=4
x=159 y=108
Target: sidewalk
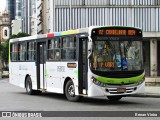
x=152 y=87
x=150 y=91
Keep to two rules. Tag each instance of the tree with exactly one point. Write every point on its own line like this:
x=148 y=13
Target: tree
x=13 y=36
x=4 y=53
x=20 y=34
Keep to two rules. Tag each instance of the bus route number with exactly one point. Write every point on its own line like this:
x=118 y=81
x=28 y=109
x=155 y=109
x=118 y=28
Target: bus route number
x=104 y=64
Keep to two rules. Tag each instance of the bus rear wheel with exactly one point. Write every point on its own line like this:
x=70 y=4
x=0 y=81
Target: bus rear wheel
x=70 y=92
x=114 y=98
x=29 y=89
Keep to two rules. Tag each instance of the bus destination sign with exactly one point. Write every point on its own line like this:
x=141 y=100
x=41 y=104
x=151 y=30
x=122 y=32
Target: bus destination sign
x=117 y=32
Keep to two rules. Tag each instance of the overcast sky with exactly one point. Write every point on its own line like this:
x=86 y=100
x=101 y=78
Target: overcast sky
x=2 y=5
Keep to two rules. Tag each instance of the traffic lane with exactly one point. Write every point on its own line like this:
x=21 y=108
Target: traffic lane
x=15 y=98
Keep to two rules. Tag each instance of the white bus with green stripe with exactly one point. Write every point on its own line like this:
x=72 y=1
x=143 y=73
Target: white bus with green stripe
x=94 y=61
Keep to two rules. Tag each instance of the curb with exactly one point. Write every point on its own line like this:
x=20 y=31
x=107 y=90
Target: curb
x=147 y=95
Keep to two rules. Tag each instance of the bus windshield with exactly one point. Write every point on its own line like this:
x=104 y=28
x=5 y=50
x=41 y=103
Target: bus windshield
x=116 y=55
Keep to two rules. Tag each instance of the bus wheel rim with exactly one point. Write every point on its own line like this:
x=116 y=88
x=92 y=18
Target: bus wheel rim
x=71 y=90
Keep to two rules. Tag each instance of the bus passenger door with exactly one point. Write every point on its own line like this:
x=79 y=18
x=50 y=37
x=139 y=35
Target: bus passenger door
x=82 y=66
x=41 y=65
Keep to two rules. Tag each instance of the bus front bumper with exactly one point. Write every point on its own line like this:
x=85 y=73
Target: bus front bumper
x=114 y=90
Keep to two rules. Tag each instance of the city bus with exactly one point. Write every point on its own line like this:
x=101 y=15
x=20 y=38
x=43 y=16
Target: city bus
x=93 y=62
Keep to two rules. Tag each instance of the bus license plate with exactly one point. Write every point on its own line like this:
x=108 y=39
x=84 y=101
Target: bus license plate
x=121 y=89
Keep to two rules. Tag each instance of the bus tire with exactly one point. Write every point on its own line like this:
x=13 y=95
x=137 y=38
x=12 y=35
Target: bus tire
x=70 y=92
x=29 y=89
x=114 y=98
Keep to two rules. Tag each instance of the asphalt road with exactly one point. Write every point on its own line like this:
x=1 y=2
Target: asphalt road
x=13 y=98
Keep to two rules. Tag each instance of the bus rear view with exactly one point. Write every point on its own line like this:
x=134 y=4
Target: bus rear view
x=116 y=62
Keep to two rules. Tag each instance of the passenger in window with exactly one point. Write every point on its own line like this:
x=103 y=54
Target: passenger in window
x=56 y=44
x=57 y=55
x=50 y=46
x=71 y=44
x=51 y=55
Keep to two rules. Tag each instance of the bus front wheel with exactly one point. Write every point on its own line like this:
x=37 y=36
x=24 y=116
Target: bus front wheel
x=70 y=92
x=114 y=98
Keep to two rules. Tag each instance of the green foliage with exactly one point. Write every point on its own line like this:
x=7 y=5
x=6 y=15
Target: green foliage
x=20 y=34
x=13 y=36
x=4 y=51
x=5 y=68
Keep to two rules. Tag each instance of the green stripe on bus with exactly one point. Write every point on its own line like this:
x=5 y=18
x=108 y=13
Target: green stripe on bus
x=76 y=73
x=69 y=32
x=120 y=80
x=47 y=74
x=9 y=56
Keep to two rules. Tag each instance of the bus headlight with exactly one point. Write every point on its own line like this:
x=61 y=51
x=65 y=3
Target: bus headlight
x=140 y=82
x=95 y=81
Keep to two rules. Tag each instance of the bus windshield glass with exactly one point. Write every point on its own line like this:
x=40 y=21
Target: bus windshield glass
x=117 y=55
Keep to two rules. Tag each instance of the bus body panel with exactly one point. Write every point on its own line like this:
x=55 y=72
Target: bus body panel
x=19 y=71
x=56 y=74
x=53 y=77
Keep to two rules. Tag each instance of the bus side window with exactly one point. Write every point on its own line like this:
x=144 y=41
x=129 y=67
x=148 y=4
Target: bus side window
x=18 y=55
x=69 y=48
x=12 y=52
x=57 y=54
x=57 y=50
x=50 y=49
x=22 y=52
x=54 y=49
x=31 y=51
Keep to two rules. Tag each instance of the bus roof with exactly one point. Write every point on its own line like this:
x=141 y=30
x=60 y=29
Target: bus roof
x=51 y=35
x=68 y=32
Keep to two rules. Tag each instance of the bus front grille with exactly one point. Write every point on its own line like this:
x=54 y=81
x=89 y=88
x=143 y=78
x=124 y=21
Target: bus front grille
x=114 y=90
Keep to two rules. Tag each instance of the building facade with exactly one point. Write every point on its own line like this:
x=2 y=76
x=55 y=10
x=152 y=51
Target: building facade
x=36 y=16
x=4 y=26
x=18 y=6
x=32 y=16
x=16 y=26
x=26 y=16
x=14 y=8
x=144 y=14
x=60 y=15
x=11 y=7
